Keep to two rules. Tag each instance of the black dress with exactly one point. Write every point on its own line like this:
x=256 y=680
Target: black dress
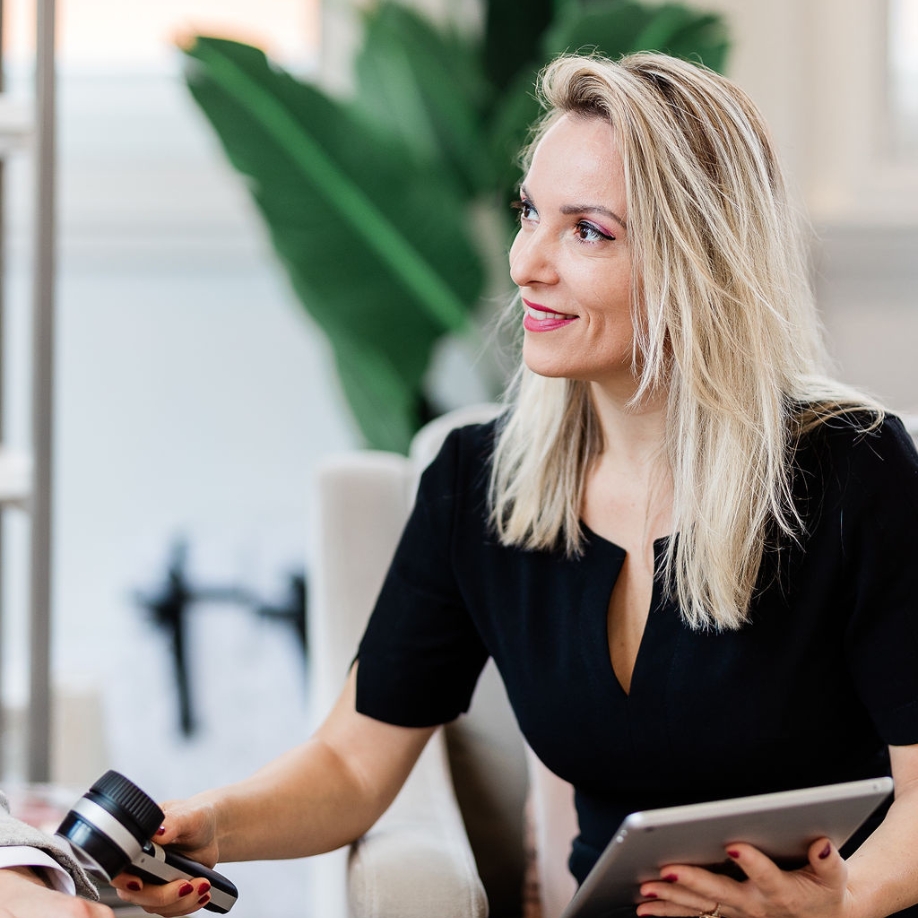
x=810 y=692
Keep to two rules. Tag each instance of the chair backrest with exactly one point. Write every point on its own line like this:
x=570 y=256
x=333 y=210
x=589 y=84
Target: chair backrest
x=510 y=803
x=514 y=807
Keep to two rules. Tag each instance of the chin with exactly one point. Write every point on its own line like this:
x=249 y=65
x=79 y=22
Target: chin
x=553 y=369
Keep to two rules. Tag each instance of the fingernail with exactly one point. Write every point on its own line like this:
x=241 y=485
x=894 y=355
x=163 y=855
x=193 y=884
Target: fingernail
x=203 y=888
x=161 y=830
x=203 y=900
x=825 y=851
x=732 y=852
x=133 y=886
x=186 y=890
x=671 y=878
x=651 y=895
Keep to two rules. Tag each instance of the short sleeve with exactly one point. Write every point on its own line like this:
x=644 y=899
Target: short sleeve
x=881 y=540
x=421 y=654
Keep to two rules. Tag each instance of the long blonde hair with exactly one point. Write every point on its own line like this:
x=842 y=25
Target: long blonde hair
x=725 y=325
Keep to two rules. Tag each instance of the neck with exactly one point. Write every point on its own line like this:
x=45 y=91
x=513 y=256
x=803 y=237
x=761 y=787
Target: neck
x=632 y=435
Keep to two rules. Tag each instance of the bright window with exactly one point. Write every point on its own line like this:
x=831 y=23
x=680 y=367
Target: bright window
x=903 y=77
x=143 y=32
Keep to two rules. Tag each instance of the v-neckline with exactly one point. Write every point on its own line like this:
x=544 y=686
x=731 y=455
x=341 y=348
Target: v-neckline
x=659 y=545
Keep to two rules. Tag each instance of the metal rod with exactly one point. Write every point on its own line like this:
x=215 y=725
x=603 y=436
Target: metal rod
x=39 y=745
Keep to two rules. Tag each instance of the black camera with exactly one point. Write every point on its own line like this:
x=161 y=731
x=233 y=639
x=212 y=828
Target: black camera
x=110 y=829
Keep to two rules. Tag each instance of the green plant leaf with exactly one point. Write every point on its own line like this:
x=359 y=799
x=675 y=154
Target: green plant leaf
x=513 y=31
x=375 y=245
x=426 y=85
x=386 y=409
x=618 y=27
x=509 y=129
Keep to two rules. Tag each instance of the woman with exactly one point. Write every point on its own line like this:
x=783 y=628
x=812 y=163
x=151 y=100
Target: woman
x=683 y=544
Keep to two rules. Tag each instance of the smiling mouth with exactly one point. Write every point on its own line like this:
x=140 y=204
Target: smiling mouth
x=540 y=319
x=540 y=313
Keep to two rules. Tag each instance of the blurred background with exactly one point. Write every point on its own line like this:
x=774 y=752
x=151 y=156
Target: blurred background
x=194 y=396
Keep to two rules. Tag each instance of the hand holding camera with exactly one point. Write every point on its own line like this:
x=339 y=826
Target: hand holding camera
x=110 y=829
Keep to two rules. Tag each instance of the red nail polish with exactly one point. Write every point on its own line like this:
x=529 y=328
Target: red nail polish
x=825 y=851
x=161 y=830
x=732 y=852
x=186 y=890
x=651 y=896
x=671 y=878
x=203 y=900
x=133 y=886
x=203 y=888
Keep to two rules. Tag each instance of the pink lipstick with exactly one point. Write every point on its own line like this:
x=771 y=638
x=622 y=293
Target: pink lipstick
x=541 y=319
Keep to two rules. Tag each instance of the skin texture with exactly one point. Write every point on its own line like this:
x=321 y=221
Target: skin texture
x=573 y=258
x=24 y=895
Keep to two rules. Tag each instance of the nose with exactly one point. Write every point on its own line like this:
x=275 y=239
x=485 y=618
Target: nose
x=532 y=260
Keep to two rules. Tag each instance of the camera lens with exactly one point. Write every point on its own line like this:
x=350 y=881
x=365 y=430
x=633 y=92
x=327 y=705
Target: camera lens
x=108 y=826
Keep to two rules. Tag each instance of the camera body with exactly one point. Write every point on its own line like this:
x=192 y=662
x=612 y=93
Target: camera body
x=110 y=830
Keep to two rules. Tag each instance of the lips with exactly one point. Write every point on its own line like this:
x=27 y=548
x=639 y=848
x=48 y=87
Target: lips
x=539 y=318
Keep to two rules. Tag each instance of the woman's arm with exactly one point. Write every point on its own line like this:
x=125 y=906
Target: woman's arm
x=883 y=872
x=319 y=796
x=322 y=794
x=879 y=879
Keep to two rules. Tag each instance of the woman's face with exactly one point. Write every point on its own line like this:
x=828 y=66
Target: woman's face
x=571 y=258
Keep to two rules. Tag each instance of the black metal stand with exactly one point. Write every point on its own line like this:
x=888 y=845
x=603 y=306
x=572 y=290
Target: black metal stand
x=170 y=604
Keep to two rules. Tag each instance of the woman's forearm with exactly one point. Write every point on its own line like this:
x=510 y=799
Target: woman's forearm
x=304 y=803
x=325 y=793
x=882 y=878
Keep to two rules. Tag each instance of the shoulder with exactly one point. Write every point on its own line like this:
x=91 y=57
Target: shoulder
x=466 y=454
x=860 y=459
x=858 y=439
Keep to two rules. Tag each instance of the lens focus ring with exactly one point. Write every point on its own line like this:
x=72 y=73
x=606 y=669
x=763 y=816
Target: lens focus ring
x=124 y=798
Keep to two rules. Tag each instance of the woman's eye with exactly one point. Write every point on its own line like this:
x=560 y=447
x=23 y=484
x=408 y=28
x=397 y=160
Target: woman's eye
x=525 y=210
x=586 y=232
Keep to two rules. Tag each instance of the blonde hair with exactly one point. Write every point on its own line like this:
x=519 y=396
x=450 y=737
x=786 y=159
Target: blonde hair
x=725 y=325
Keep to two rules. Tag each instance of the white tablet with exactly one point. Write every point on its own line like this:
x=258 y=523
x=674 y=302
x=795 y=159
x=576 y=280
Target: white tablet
x=782 y=825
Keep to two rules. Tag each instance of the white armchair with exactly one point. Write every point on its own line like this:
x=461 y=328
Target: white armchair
x=453 y=843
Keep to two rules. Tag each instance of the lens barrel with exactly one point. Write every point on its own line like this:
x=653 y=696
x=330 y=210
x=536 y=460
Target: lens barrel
x=110 y=823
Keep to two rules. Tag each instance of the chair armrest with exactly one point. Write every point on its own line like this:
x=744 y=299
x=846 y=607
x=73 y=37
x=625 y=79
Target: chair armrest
x=416 y=861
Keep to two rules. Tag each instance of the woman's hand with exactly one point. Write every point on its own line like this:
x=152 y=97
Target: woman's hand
x=178 y=898
x=24 y=895
x=818 y=890
x=191 y=827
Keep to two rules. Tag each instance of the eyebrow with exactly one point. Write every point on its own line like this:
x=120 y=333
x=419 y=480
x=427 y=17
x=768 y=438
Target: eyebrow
x=594 y=209
x=570 y=209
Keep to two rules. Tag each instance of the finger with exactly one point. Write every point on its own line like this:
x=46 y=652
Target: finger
x=180 y=897
x=126 y=881
x=692 y=888
x=173 y=826
x=189 y=827
x=827 y=864
x=758 y=867
x=667 y=910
